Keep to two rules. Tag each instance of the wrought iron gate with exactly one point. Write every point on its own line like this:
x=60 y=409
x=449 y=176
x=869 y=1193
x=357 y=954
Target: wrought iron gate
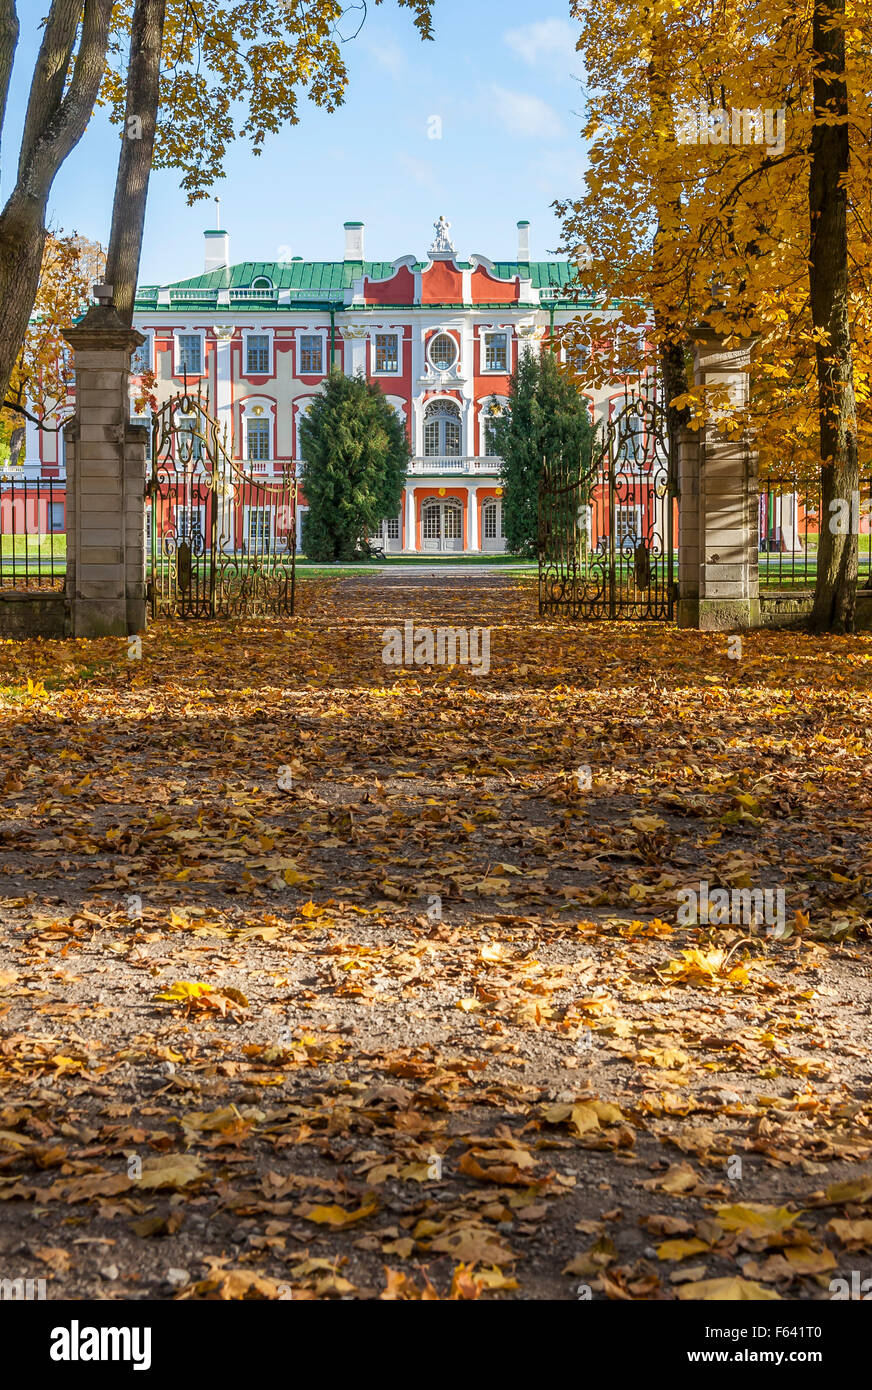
x=607 y=525
x=223 y=537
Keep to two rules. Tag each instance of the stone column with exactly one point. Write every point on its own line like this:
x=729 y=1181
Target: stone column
x=717 y=534
x=687 y=473
x=472 y=502
x=106 y=477
x=224 y=382
x=411 y=540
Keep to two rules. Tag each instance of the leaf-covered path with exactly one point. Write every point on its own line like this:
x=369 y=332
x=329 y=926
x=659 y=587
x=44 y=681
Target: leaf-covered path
x=320 y=977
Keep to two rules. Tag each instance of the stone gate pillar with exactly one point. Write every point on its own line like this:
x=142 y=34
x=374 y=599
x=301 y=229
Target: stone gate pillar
x=106 y=476
x=717 y=480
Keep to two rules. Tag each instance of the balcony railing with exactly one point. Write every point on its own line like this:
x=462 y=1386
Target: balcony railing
x=191 y=296
x=253 y=295
x=448 y=464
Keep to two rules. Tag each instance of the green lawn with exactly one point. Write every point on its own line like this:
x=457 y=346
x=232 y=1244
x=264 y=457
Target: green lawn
x=29 y=557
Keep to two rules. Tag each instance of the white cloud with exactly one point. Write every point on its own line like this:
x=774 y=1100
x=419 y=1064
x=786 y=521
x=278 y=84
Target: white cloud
x=557 y=173
x=389 y=55
x=420 y=171
x=524 y=114
x=548 y=40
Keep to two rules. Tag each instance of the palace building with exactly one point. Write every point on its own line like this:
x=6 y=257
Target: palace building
x=440 y=336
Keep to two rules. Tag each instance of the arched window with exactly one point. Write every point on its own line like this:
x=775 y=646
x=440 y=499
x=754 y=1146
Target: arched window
x=262 y=282
x=442 y=430
x=492 y=533
x=442 y=524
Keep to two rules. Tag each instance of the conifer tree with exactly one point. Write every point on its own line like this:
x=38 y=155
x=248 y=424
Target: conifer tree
x=545 y=415
x=356 y=456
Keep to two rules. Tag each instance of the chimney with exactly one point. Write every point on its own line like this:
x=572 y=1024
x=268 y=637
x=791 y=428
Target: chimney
x=524 y=242
x=217 y=250
x=354 y=234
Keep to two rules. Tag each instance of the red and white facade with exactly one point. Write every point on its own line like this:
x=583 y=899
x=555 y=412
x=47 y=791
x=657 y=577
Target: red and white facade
x=441 y=338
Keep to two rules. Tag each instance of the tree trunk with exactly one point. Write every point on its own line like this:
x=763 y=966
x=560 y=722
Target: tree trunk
x=137 y=152
x=16 y=444
x=8 y=44
x=58 y=113
x=835 y=593
x=22 y=239
x=675 y=383
x=669 y=330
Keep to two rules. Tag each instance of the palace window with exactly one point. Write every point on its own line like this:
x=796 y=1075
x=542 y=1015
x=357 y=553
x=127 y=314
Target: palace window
x=442 y=430
x=496 y=352
x=141 y=360
x=387 y=353
x=490 y=437
x=627 y=527
x=258 y=438
x=630 y=441
x=257 y=355
x=492 y=519
x=311 y=354
x=577 y=357
x=189 y=524
x=443 y=352
x=259 y=528
x=189 y=441
x=190 y=354
x=391 y=528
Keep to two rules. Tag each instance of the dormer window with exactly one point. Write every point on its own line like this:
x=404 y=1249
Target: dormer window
x=261 y=282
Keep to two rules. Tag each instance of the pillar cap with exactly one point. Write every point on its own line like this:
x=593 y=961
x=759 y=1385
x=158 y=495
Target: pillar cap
x=102 y=326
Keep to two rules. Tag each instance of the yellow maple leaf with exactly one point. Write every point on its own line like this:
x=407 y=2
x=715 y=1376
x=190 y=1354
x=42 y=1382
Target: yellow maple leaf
x=680 y=1249
x=756 y=1220
x=185 y=989
x=334 y=1216
x=729 y=1290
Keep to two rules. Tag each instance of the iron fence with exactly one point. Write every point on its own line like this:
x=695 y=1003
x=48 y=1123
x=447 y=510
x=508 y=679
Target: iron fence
x=33 y=539
x=789 y=525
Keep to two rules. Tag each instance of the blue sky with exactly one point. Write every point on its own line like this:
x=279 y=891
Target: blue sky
x=500 y=76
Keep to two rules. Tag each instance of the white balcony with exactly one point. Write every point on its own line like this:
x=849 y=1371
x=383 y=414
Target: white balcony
x=449 y=464
x=249 y=296
x=191 y=296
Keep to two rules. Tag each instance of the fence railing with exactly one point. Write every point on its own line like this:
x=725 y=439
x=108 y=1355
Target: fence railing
x=789 y=527
x=453 y=463
x=33 y=540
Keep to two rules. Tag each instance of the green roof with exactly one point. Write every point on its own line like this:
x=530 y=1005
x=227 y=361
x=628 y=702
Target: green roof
x=542 y=273
x=287 y=275
x=334 y=277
